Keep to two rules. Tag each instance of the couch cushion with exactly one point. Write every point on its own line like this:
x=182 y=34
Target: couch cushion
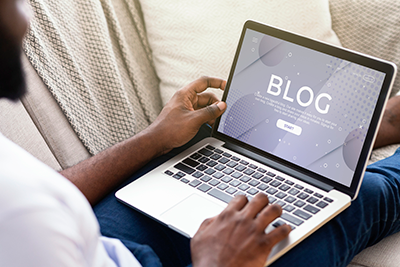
x=194 y=38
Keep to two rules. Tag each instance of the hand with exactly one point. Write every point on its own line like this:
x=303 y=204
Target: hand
x=236 y=237
x=188 y=109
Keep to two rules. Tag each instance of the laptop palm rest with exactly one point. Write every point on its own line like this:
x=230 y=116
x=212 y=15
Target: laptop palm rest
x=188 y=214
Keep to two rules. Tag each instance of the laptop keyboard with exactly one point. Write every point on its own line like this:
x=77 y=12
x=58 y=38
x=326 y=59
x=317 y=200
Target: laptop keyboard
x=218 y=173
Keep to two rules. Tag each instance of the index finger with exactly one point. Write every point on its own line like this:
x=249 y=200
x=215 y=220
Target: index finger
x=205 y=82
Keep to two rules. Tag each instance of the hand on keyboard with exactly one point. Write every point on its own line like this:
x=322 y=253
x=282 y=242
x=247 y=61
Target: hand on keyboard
x=236 y=237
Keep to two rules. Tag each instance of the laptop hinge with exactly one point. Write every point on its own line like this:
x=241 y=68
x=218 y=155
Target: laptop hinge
x=280 y=167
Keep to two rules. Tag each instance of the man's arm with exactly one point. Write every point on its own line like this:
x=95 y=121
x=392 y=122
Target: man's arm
x=177 y=123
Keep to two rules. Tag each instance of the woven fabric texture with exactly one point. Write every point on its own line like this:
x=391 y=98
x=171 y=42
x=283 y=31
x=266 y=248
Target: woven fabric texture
x=369 y=26
x=94 y=58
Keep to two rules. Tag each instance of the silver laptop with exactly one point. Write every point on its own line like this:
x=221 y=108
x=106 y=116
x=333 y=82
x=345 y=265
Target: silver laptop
x=300 y=122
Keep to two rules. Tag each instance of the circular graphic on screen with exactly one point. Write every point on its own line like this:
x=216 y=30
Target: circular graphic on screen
x=272 y=51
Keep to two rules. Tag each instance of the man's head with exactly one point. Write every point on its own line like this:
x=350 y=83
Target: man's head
x=13 y=25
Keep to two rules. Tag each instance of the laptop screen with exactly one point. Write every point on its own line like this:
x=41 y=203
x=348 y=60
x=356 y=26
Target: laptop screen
x=306 y=107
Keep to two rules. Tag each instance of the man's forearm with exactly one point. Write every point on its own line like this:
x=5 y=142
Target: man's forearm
x=98 y=175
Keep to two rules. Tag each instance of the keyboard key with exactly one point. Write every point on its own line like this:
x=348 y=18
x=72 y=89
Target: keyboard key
x=237 y=175
x=261 y=170
x=215 y=157
x=293 y=191
x=204 y=187
x=227 y=155
x=232 y=164
x=280 y=203
x=211 y=163
x=210 y=147
x=284 y=187
x=321 y=204
x=223 y=160
x=222 y=186
x=231 y=190
x=249 y=171
x=220 y=195
x=290 y=199
x=219 y=167
x=190 y=162
x=235 y=158
x=228 y=171
x=219 y=151
x=308 y=191
x=275 y=183
x=243 y=187
x=271 y=191
x=289 y=208
x=291 y=219
x=210 y=171
x=195 y=183
x=240 y=168
x=254 y=182
x=184 y=168
x=318 y=195
x=201 y=167
x=299 y=186
x=299 y=203
x=197 y=174
x=252 y=191
x=278 y=223
x=204 y=160
x=289 y=182
x=167 y=172
x=218 y=175
x=184 y=180
x=302 y=214
x=240 y=193
x=226 y=179
x=205 y=152
x=176 y=176
x=266 y=180
x=311 y=209
x=253 y=166
x=257 y=175
x=312 y=200
x=279 y=178
x=245 y=179
x=281 y=195
x=271 y=199
x=303 y=196
x=214 y=182
x=262 y=187
x=196 y=156
x=244 y=162
x=327 y=199
x=271 y=174
x=205 y=178
x=235 y=183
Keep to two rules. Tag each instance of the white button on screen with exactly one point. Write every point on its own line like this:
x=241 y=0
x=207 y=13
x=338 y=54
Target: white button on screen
x=289 y=127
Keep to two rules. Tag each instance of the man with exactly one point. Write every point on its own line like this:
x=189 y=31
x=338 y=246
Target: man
x=45 y=220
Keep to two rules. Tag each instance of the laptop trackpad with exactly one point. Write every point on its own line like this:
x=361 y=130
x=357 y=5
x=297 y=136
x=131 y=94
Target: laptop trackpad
x=187 y=215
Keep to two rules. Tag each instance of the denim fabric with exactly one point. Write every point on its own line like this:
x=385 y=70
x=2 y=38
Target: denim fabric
x=371 y=217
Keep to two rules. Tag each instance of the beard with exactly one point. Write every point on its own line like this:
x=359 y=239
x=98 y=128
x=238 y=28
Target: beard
x=12 y=78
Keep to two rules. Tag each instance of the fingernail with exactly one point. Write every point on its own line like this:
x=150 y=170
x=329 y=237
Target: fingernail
x=221 y=105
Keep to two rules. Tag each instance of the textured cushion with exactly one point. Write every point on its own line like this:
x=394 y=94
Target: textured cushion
x=369 y=26
x=194 y=38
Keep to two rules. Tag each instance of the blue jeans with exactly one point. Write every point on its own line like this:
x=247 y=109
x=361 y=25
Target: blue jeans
x=370 y=218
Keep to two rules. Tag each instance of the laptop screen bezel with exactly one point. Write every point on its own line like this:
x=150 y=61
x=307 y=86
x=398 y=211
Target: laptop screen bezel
x=386 y=67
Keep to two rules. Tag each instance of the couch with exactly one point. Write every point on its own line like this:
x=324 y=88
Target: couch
x=63 y=119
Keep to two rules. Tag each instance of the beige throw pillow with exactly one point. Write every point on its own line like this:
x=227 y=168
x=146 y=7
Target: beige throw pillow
x=192 y=38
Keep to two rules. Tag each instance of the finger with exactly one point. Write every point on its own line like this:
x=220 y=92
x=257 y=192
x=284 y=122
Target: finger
x=209 y=113
x=277 y=235
x=206 y=223
x=236 y=204
x=203 y=83
x=206 y=99
x=267 y=215
x=257 y=204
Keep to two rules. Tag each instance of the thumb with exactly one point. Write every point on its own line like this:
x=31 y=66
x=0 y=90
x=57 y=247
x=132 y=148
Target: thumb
x=210 y=113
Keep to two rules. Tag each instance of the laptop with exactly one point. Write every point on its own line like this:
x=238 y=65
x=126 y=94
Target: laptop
x=301 y=119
